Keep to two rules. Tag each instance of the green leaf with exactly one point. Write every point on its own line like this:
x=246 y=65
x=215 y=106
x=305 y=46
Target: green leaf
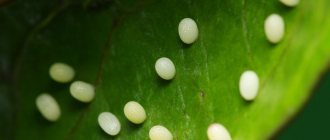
x=114 y=45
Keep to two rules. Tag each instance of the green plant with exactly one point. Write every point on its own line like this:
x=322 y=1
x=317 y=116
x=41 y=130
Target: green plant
x=114 y=44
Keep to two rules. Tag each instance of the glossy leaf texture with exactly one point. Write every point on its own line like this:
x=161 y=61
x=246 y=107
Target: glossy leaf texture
x=114 y=44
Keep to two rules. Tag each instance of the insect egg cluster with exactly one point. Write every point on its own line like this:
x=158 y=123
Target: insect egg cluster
x=274 y=28
x=63 y=73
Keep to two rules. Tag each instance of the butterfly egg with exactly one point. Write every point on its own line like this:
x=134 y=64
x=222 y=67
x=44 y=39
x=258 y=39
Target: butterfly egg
x=61 y=72
x=159 y=132
x=217 y=131
x=165 y=68
x=249 y=85
x=188 y=30
x=48 y=107
x=109 y=123
x=134 y=112
x=82 y=91
x=274 y=28
x=290 y=3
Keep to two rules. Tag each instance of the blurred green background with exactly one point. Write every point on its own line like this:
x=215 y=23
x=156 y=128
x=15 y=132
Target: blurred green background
x=314 y=119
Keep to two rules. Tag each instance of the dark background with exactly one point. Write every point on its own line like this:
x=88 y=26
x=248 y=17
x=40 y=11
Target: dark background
x=313 y=121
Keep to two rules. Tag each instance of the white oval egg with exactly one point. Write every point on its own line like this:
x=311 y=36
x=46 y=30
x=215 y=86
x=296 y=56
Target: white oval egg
x=290 y=3
x=61 y=72
x=249 y=85
x=165 y=68
x=217 y=131
x=82 y=91
x=188 y=30
x=48 y=107
x=274 y=28
x=109 y=123
x=159 y=132
x=134 y=112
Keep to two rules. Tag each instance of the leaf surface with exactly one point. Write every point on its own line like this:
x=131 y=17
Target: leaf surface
x=114 y=45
